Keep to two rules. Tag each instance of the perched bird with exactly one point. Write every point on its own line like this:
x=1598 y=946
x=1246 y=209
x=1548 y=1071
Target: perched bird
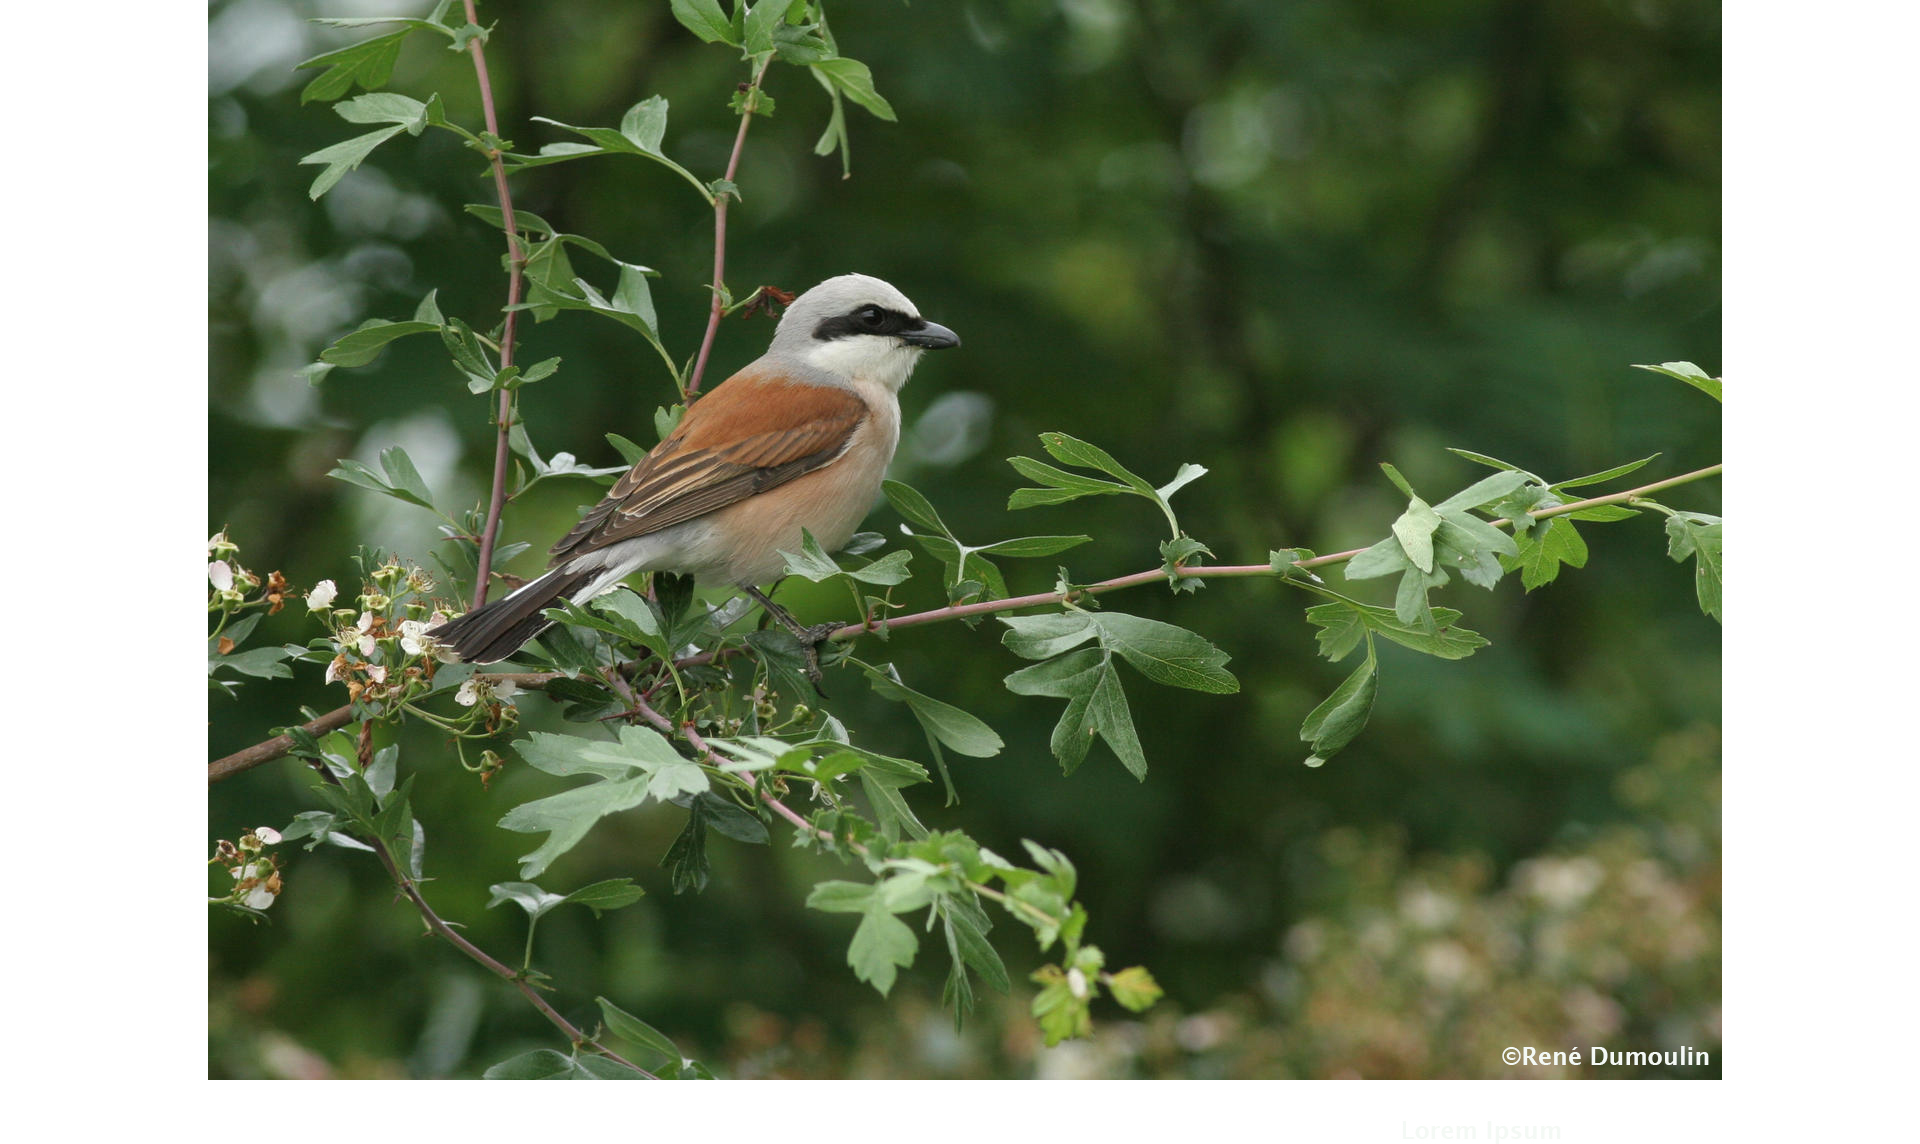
x=798 y=440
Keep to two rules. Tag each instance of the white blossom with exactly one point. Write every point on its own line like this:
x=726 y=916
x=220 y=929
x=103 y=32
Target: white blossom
x=259 y=898
x=413 y=636
x=364 y=637
x=322 y=595
x=266 y=834
x=221 y=574
x=1077 y=983
x=377 y=672
x=480 y=687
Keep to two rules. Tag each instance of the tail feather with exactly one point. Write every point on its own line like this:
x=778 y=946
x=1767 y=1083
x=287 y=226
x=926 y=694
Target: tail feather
x=494 y=631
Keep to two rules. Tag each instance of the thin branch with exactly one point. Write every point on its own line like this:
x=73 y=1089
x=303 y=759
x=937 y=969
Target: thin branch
x=516 y=259
x=720 y=201
x=333 y=720
x=485 y=960
x=1216 y=571
x=493 y=965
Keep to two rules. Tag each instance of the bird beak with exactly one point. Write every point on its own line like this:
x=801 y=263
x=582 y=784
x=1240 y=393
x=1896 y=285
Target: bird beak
x=931 y=336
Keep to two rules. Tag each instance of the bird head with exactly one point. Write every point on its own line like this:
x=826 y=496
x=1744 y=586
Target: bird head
x=860 y=328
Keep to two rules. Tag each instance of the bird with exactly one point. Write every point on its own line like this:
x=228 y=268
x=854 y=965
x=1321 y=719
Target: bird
x=799 y=439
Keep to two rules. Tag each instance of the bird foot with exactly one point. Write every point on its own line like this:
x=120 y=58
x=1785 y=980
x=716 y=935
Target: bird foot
x=810 y=637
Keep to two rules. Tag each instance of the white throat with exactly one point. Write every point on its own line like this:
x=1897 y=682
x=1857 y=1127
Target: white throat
x=878 y=359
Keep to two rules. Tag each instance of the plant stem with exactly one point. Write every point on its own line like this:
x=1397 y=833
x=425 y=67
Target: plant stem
x=516 y=260
x=720 y=201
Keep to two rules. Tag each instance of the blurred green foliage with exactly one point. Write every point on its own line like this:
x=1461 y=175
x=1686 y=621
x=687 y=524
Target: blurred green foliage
x=1286 y=240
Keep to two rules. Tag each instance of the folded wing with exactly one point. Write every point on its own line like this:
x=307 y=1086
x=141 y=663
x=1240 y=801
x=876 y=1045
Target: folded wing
x=750 y=434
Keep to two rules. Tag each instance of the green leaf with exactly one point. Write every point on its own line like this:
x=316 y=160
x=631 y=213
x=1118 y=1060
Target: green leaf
x=1028 y=546
x=941 y=721
x=1605 y=475
x=1343 y=622
x=1045 y=636
x=260 y=662
x=1165 y=653
x=1184 y=476
x=1605 y=512
x=355 y=473
x=1399 y=482
x=1384 y=558
x=645 y=124
x=633 y=1030
x=343 y=157
x=1688 y=372
x=704 y=19
x=762 y=17
x=385 y=107
x=608 y=894
x=1414 y=531
x=967 y=927
x=629 y=452
x=1698 y=535
x=641 y=130
x=529 y=897
x=817 y=566
x=850 y=77
x=539 y=1064
x=365 y=342
x=368 y=63
x=1062 y=485
x=881 y=778
x=838 y=897
x=1482 y=492
x=686 y=859
x=1340 y=717
x=639 y=766
x=1483 y=459
x=524 y=221
x=1550 y=546
x=1410 y=601
x=911 y=504
x=834 y=138
x=402 y=475
x=1073 y=451
x=881 y=947
x=1096 y=704
x=1134 y=988
x=1286 y=563
x=545 y=1064
x=784 y=660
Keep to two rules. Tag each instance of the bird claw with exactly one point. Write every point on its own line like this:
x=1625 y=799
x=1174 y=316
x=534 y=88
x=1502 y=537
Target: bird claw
x=810 y=638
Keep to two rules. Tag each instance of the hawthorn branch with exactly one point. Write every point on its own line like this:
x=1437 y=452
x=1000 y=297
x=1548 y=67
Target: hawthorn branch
x=333 y=720
x=720 y=201
x=516 y=261
x=439 y=927
x=1217 y=571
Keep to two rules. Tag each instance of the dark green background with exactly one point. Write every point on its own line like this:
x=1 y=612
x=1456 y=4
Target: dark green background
x=1284 y=240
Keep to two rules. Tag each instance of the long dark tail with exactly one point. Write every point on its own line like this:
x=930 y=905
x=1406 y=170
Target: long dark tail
x=494 y=631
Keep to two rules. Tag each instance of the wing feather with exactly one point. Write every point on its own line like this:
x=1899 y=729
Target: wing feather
x=750 y=434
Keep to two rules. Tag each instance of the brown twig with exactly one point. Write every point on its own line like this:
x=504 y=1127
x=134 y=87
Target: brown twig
x=503 y=417
x=720 y=201
x=485 y=960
